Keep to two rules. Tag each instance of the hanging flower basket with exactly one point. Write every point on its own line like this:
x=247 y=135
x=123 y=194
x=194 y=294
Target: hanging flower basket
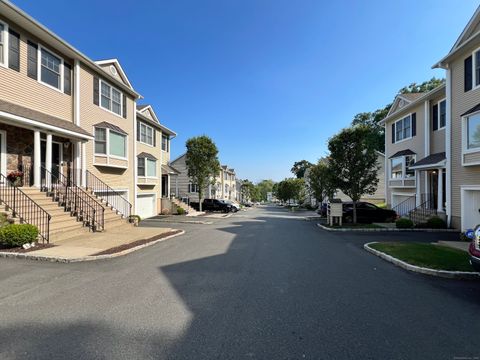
x=16 y=178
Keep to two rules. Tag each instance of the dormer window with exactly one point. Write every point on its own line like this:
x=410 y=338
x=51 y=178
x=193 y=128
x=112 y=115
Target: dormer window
x=110 y=98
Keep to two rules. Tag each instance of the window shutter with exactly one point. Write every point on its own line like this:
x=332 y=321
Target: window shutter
x=154 y=137
x=96 y=94
x=393 y=133
x=435 y=117
x=14 y=50
x=124 y=110
x=468 y=70
x=138 y=130
x=67 y=79
x=32 y=55
x=414 y=124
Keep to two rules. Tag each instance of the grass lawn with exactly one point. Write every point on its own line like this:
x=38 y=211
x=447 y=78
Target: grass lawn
x=427 y=255
x=355 y=226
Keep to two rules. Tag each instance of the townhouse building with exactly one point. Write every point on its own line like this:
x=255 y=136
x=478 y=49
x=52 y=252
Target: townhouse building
x=415 y=155
x=68 y=120
x=462 y=67
x=224 y=185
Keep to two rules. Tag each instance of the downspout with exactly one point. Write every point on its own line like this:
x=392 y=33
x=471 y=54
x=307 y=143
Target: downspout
x=448 y=147
x=135 y=160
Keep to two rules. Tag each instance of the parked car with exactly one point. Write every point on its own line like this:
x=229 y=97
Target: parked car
x=474 y=251
x=367 y=213
x=322 y=210
x=216 y=205
x=235 y=206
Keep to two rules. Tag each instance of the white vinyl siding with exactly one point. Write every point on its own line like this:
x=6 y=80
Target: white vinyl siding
x=110 y=98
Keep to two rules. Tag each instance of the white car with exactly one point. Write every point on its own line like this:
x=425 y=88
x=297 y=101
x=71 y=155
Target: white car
x=234 y=205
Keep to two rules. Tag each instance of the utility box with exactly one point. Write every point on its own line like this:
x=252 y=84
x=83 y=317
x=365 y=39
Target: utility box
x=335 y=212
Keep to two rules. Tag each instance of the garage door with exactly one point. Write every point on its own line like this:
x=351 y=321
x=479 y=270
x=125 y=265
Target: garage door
x=146 y=206
x=470 y=208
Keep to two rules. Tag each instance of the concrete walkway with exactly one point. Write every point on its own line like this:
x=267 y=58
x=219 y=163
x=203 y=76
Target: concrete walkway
x=93 y=243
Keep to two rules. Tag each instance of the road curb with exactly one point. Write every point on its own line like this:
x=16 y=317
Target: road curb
x=439 y=273
x=384 y=229
x=60 y=259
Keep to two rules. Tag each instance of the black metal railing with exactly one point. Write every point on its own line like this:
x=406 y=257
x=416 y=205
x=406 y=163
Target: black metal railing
x=74 y=199
x=404 y=208
x=426 y=209
x=112 y=198
x=25 y=208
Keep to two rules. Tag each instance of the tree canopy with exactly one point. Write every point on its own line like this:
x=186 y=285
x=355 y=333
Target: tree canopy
x=202 y=162
x=320 y=181
x=299 y=168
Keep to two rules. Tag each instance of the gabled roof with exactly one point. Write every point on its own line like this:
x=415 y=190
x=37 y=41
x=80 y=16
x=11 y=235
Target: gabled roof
x=402 y=153
x=469 y=33
x=156 y=124
x=471 y=111
x=406 y=99
x=119 y=68
x=418 y=99
x=107 y=125
x=45 y=35
x=147 y=107
x=147 y=155
x=432 y=160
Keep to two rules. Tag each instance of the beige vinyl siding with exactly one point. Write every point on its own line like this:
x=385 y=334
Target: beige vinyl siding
x=91 y=114
x=106 y=68
x=416 y=144
x=461 y=102
x=16 y=87
x=471 y=159
x=437 y=137
x=165 y=154
x=183 y=180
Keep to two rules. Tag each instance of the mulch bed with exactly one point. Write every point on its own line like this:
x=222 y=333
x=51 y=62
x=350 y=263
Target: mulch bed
x=21 y=250
x=121 y=248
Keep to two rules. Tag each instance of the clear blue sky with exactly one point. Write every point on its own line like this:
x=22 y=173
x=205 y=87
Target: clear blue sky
x=269 y=80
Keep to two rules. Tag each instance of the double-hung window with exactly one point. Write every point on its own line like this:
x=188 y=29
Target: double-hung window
x=473 y=131
x=403 y=129
x=51 y=69
x=476 y=67
x=147 y=167
x=400 y=167
x=192 y=188
x=3 y=44
x=165 y=140
x=146 y=134
x=442 y=114
x=110 y=143
x=110 y=98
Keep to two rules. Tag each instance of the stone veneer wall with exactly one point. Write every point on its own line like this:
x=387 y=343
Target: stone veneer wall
x=19 y=147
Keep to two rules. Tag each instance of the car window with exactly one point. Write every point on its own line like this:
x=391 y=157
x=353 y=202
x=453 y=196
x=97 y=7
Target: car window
x=370 y=206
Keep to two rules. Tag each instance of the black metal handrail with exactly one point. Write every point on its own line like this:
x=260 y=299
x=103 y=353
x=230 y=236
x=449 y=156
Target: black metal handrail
x=111 y=197
x=404 y=208
x=426 y=209
x=74 y=199
x=25 y=208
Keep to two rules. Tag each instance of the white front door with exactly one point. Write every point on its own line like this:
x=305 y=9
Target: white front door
x=470 y=208
x=146 y=206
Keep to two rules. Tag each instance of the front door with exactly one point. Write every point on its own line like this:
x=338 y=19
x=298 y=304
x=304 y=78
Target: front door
x=433 y=189
x=164 y=186
x=56 y=157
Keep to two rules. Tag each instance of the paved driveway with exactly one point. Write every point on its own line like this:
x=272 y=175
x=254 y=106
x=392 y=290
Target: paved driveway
x=263 y=284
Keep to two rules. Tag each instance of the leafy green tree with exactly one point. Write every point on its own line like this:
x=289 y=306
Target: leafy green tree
x=321 y=182
x=353 y=162
x=264 y=187
x=299 y=168
x=425 y=86
x=290 y=189
x=247 y=189
x=202 y=163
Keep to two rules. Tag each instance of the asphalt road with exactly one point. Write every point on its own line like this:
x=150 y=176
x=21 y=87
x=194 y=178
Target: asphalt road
x=263 y=284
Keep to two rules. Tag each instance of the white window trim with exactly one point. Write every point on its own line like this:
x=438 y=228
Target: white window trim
x=153 y=135
x=465 y=149
x=191 y=187
x=404 y=139
x=108 y=155
x=168 y=143
x=111 y=100
x=438 y=114
x=474 y=79
x=404 y=169
x=6 y=44
x=146 y=170
x=39 y=68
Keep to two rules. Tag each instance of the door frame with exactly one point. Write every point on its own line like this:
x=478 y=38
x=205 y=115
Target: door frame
x=3 y=152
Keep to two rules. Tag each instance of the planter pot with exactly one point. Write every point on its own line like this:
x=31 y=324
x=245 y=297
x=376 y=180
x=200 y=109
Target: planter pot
x=18 y=182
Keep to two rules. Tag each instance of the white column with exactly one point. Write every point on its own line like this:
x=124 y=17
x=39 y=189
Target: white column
x=84 y=163
x=78 y=163
x=48 y=159
x=168 y=186
x=440 y=191
x=418 y=186
x=36 y=159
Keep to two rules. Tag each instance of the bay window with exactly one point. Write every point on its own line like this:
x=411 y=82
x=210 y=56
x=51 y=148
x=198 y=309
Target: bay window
x=141 y=166
x=146 y=167
x=110 y=98
x=473 y=131
x=400 y=167
x=111 y=143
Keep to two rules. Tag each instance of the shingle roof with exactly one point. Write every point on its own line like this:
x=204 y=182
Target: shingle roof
x=431 y=159
x=412 y=96
x=141 y=107
x=472 y=110
x=169 y=169
x=107 y=125
x=41 y=117
x=402 y=153
x=146 y=155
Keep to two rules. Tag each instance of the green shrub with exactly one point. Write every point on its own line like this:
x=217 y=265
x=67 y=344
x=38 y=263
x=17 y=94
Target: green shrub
x=135 y=219
x=180 y=211
x=404 y=223
x=436 y=223
x=18 y=234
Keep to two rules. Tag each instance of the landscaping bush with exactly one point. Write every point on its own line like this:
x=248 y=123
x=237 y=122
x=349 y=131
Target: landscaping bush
x=180 y=211
x=135 y=219
x=18 y=234
x=436 y=223
x=404 y=223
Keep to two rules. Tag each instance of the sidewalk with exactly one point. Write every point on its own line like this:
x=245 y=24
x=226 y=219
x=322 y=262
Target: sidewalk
x=86 y=246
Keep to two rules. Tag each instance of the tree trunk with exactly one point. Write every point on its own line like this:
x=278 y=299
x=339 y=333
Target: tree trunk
x=200 y=198
x=354 y=211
